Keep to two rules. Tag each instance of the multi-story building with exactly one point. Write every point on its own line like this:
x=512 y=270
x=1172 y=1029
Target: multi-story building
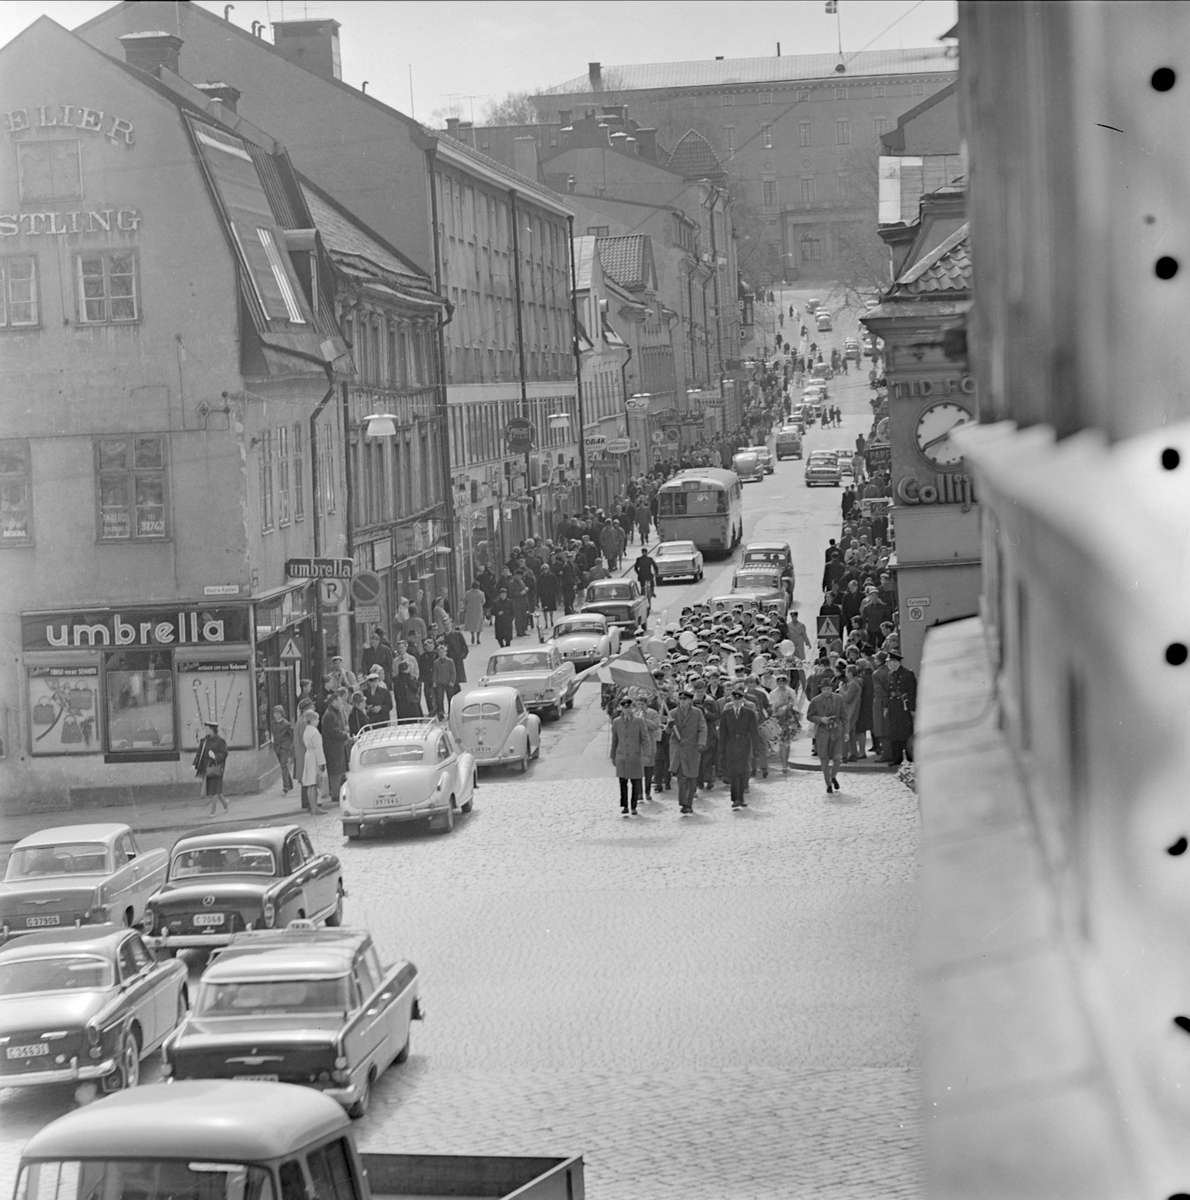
x=396 y=489
x=621 y=182
x=172 y=442
x=799 y=136
x=494 y=242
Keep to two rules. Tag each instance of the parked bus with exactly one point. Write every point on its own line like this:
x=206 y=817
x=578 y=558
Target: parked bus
x=703 y=506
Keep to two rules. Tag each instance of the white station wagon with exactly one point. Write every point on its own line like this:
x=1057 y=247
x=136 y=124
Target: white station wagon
x=410 y=771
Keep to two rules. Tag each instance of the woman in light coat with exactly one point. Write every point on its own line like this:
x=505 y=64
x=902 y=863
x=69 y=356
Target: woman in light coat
x=314 y=764
x=473 y=605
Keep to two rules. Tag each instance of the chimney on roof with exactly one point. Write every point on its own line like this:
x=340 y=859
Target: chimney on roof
x=466 y=133
x=223 y=92
x=452 y=126
x=619 y=141
x=595 y=75
x=647 y=144
x=313 y=45
x=524 y=156
x=151 y=50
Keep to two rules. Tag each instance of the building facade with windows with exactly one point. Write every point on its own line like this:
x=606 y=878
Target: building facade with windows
x=798 y=137
x=169 y=443
x=493 y=241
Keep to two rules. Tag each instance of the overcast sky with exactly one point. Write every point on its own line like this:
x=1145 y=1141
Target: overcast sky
x=469 y=51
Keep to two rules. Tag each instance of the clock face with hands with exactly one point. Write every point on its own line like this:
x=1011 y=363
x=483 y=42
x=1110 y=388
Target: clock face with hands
x=934 y=425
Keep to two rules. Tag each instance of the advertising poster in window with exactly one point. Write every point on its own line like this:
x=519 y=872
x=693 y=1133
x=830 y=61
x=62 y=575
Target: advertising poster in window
x=140 y=701
x=64 y=710
x=216 y=691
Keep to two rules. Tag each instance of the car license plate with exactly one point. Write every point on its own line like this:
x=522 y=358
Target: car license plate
x=36 y=1050
x=39 y=922
x=259 y=1078
x=208 y=919
x=388 y=801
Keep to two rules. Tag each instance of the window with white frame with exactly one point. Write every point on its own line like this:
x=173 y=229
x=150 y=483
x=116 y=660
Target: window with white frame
x=842 y=132
x=16 y=493
x=18 y=292
x=766 y=136
x=265 y=460
x=131 y=478
x=804 y=137
x=107 y=293
x=299 y=484
x=282 y=475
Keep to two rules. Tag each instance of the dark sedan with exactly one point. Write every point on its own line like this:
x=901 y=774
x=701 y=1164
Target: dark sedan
x=84 y=1004
x=223 y=883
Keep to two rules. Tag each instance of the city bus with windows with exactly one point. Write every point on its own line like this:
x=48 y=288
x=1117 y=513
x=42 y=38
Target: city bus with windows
x=704 y=506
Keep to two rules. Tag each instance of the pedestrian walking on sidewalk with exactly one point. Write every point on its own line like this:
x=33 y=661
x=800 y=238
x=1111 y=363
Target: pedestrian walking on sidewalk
x=314 y=777
x=687 y=741
x=283 y=747
x=630 y=737
x=502 y=616
x=474 y=602
x=209 y=762
x=827 y=714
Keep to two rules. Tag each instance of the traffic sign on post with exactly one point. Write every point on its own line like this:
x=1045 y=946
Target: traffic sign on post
x=365 y=587
x=290 y=652
x=332 y=591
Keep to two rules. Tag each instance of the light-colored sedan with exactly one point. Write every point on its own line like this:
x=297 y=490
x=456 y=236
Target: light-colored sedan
x=843 y=458
x=494 y=725
x=766 y=585
x=546 y=681
x=677 y=560
x=822 y=467
x=585 y=638
x=78 y=874
x=300 y=1005
x=412 y=771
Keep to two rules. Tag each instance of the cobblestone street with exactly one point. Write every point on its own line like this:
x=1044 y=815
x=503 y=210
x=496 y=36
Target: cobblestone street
x=714 y=1006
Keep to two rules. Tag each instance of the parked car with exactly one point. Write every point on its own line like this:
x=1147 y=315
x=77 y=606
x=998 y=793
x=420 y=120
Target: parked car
x=765 y=584
x=411 y=771
x=621 y=601
x=221 y=883
x=585 y=638
x=676 y=560
x=771 y=554
x=843 y=458
x=301 y=1005
x=748 y=467
x=493 y=725
x=78 y=874
x=764 y=454
x=822 y=467
x=788 y=442
x=84 y=1004
x=812 y=305
x=546 y=681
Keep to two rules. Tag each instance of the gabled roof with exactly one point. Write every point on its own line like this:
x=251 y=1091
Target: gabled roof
x=726 y=72
x=627 y=260
x=693 y=158
x=947 y=268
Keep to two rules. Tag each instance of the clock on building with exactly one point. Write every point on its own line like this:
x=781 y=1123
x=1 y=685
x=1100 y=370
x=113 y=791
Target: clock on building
x=934 y=426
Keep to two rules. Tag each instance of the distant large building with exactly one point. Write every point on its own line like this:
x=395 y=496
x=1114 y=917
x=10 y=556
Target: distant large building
x=798 y=135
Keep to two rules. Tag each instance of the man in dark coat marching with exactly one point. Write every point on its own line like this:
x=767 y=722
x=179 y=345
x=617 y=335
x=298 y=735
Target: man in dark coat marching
x=739 y=737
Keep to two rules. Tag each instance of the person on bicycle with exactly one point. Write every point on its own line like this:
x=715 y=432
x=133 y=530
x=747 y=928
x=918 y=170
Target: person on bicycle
x=646 y=573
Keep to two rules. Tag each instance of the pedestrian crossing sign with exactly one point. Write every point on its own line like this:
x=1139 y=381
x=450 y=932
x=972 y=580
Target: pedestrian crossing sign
x=291 y=653
x=828 y=627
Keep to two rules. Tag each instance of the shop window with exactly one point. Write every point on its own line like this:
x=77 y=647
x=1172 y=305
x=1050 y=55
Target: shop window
x=18 y=292
x=139 y=691
x=265 y=460
x=63 y=710
x=107 y=292
x=283 y=475
x=50 y=170
x=132 y=488
x=299 y=480
x=16 y=493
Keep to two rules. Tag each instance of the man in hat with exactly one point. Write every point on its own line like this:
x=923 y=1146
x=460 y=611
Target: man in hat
x=630 y=736
x=378 y=700
x=900 y=705
x=827 y=713
x=340 y=675
x=739 y=733
x=687 y=741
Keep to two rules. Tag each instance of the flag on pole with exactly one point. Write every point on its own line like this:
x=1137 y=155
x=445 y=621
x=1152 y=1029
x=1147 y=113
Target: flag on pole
x=630 y=670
